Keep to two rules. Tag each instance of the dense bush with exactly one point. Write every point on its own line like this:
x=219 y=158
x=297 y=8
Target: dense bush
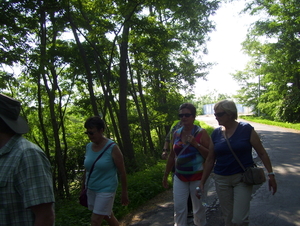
x=142 y=186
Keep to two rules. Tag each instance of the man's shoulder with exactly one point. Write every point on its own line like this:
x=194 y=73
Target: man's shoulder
x=26 y=144
x=22 y=147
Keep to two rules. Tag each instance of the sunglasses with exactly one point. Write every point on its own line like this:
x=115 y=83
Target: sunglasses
x=89 y=133
x=187 y=115
x=220 y=114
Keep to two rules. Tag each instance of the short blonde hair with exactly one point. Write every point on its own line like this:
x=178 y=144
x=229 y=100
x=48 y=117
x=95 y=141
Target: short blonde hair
x=228 y=106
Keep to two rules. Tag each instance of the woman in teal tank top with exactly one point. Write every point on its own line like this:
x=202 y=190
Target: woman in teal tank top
x=103 y=181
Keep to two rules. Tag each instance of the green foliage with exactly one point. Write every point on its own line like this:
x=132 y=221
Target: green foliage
x=289 y=109
x=76 y=60
x=208 y=128
x=270 y=122
x=142 y=186
x=69 y=213
x=273 y=43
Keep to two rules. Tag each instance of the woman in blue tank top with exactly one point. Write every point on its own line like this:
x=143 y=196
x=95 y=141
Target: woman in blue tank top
x=234 y=195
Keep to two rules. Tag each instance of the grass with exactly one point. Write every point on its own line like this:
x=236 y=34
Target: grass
x=208 y=128
x=295 y=126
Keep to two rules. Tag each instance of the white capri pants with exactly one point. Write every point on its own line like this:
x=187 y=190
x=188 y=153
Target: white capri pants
x=181 y=191
x=101 y=203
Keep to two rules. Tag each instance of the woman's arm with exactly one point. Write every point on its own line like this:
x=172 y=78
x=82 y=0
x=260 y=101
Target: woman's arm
x=119 y=162
x=169 y=166
x=44 y=214
x=209 y=163
x=204 y=143
x=263 y=155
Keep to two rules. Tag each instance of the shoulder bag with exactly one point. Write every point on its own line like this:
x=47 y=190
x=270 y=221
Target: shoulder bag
x=83 y=195
x=252 y=175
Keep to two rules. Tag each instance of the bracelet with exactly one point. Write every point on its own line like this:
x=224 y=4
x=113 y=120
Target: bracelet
x=271 y=173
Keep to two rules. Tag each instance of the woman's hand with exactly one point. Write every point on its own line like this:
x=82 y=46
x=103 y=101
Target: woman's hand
x=165 y=182
x=201 y=186
x=190 y=139
x=198 y=195
x=124 y=198
x=272 y=184
x=164 y=155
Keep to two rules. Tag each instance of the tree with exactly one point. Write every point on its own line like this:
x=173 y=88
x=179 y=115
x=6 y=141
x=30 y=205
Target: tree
x=126 y=61
x=273 y=43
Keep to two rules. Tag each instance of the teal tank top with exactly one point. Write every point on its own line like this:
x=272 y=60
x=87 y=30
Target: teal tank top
x=104 y=176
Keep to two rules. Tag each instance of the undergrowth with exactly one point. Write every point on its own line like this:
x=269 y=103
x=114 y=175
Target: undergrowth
x=142 y=186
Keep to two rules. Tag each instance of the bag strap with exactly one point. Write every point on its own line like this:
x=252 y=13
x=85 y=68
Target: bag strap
x=237 y=159
x=92 y=168
x=183 y=150
x=199 y=129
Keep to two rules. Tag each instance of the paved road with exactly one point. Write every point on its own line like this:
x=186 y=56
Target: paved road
x=282 y=209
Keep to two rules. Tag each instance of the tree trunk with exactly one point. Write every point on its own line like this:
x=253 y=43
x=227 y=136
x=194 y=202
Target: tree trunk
x=123 y=116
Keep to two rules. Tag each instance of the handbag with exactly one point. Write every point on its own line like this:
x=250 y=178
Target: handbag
x=83 y=198
x=83 y=194
x=252 y=175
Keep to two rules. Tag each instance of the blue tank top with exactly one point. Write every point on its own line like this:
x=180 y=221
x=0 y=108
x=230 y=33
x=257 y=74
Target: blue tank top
x=104 y=176
x=226 y=164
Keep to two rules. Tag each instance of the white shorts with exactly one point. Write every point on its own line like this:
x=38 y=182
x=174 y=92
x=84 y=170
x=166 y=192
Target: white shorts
x=101 y=203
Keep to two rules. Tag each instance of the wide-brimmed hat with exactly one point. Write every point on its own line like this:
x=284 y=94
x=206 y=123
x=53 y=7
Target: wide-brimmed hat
x=10 y=114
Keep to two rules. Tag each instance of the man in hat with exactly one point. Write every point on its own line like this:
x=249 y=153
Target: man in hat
x=26 y=189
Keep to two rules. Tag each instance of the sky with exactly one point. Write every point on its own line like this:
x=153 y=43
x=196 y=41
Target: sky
x=225 y=49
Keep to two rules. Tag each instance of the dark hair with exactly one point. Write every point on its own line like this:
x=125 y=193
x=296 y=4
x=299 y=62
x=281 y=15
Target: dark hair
x=94 y=121
x=189 y=106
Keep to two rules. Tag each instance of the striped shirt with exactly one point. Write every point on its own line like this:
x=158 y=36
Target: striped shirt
x=25 y=181
x=189 y=162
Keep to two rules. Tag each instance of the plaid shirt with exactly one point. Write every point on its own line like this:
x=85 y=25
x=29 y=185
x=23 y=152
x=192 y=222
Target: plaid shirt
x=25 y=181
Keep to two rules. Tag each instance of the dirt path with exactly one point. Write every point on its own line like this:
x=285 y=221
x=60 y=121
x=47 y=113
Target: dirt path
x=163 y=204
x=150 y=207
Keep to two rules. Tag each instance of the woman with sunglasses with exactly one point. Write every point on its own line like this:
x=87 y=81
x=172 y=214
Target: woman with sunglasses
x=189 y=149
x=233 y=194
x=175 y=126
x=103 y=182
